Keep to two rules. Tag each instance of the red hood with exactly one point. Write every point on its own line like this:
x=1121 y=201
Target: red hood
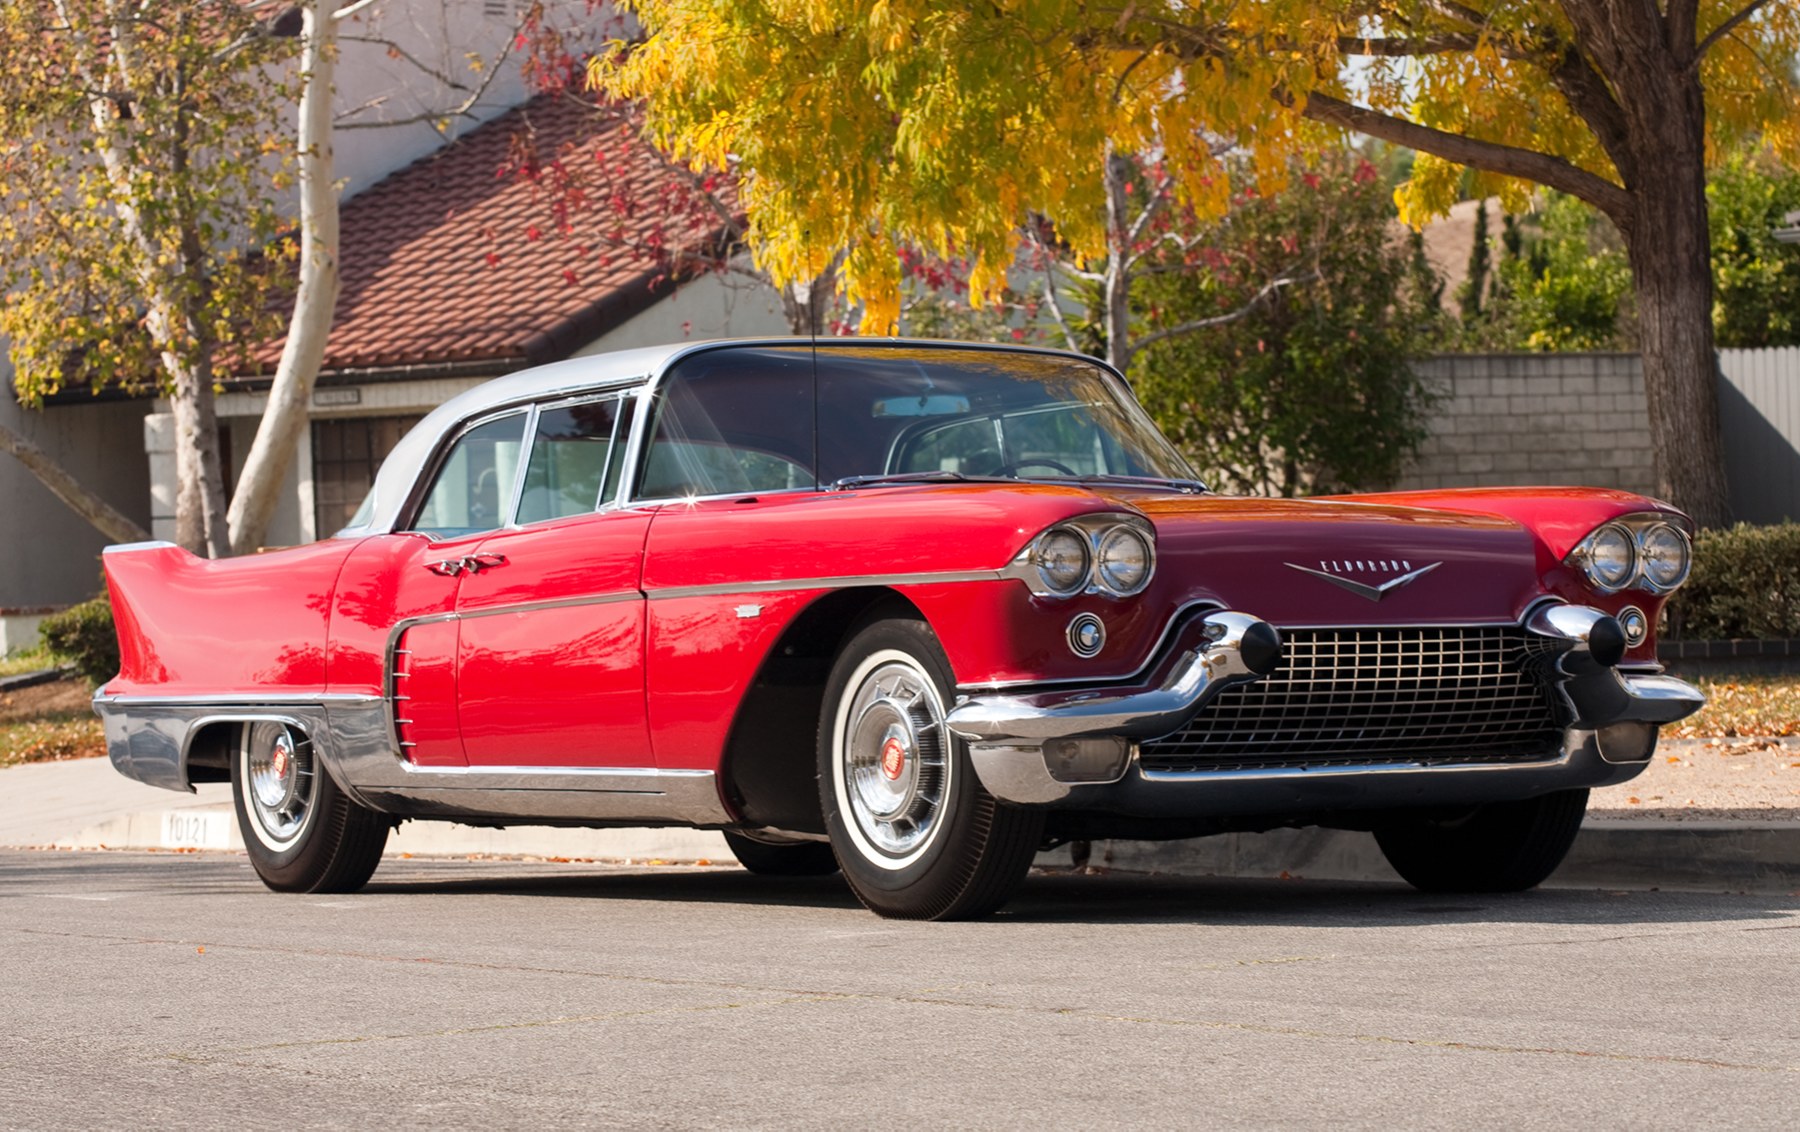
x=1266 y=557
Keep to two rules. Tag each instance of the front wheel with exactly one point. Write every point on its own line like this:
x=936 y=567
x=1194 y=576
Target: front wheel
x=915 y=833
x=1499 y=847
x=302 y=833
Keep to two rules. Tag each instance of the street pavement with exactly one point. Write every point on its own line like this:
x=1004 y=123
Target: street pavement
x=162 y=990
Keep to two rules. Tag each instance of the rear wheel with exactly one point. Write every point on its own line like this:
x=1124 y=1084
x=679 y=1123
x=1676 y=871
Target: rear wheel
x=782 y=858
x=1500 y=847
x=915 y=833
x=302 y=833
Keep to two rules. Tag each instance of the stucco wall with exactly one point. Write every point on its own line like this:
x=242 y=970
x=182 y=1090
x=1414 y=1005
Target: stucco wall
x=1511 y=419
x=49 y=555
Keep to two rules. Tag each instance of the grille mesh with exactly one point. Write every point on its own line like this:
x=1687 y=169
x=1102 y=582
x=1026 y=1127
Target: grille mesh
x=1378 y=695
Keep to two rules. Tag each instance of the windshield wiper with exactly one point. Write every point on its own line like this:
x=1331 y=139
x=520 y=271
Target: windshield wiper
x=850 y=483
x=1189 y=487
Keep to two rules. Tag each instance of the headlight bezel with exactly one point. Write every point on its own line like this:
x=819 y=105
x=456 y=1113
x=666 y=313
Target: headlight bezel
x=1637 y=530
x=1096 y=532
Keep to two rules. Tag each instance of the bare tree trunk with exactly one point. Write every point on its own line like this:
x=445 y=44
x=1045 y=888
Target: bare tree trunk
x=1669 y=245
x=315 y=300
x=804 y=304
x=106 y=519
x=199 y=481
x=1116 y=290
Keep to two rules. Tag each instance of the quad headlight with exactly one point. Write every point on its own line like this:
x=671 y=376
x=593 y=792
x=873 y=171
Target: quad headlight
x=1063 y=560
x=1635 y=552
x=1109 y=554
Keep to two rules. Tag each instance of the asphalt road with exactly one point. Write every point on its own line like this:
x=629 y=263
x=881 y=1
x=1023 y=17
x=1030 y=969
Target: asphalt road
x=157 y=990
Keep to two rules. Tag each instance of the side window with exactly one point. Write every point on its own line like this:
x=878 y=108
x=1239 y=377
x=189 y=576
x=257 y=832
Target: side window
x=731 y=428
x=568 y=460
x=474 y=484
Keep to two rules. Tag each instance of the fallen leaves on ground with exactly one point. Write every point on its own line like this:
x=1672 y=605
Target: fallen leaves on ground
x=50 y=740
x=1743 y=705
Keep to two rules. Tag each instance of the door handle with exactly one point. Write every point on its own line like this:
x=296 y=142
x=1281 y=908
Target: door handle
x=468 y=564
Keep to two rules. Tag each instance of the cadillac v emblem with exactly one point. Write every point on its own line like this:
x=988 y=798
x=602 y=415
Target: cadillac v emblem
x=1333 y=572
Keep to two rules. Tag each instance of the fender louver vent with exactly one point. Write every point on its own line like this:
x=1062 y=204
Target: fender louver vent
x=1378 y=696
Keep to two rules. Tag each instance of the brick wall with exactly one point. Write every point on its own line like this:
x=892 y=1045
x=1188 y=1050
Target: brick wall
x=1509 y=419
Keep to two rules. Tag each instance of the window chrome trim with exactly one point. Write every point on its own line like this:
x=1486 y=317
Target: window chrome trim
x=422 y=485
x=538 y=409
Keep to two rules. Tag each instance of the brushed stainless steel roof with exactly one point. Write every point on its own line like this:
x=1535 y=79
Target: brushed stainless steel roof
x=620 y=369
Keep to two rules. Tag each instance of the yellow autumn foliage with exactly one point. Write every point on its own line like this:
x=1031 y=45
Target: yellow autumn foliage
x=867 y=124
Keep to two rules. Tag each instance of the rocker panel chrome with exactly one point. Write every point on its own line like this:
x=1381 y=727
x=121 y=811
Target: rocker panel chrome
x=149 y=737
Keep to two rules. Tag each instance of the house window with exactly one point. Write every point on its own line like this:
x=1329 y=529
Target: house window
x=346 y=454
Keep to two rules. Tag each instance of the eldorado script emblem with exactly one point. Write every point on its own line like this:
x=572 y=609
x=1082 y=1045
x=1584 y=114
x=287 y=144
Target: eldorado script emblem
x=1363 y=589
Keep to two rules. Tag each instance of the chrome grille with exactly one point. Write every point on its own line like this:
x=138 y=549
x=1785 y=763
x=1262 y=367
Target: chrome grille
x=1373 y=696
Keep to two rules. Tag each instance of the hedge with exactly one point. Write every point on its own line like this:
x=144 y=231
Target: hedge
x=83 y=635
x=1745 y=584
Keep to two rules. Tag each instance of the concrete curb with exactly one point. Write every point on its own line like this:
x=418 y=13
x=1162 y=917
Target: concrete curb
x=33 y=679
x=1696 y=856
x=214 y=826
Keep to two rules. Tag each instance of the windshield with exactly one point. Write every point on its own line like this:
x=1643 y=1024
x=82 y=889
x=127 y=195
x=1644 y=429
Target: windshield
x=747 y=419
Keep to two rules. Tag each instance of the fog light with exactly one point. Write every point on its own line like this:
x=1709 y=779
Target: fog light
x=1087 y=635
x=1636 y=625
x=1086 y=760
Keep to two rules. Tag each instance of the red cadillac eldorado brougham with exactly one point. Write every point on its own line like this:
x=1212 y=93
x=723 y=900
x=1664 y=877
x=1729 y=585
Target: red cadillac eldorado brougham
x=909 y=610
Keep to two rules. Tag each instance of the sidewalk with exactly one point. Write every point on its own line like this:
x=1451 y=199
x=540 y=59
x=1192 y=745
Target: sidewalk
x=86 y=804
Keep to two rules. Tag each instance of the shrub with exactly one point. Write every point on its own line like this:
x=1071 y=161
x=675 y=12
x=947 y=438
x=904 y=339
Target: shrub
x=1746 y=583
x=83 y=635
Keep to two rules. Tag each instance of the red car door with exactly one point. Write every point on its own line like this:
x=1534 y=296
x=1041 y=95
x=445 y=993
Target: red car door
x=550 y=658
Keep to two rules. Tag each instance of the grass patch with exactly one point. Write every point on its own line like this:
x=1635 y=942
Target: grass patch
x=1743 y=705
x=48 y=723
x=33 y=660
x=50 y=740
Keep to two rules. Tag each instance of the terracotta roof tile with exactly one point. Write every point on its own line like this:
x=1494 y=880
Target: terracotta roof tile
x=440 y=262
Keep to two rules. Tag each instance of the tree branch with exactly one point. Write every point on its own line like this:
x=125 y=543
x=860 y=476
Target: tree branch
x=1407 y=46
x=1056 y=314
x=1268 y=291
x=106 y=518
x=1724 y=30
x=1510 y=161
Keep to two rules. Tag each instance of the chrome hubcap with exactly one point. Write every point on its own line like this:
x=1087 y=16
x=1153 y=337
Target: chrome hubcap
x=895 y=759
x=278 y=765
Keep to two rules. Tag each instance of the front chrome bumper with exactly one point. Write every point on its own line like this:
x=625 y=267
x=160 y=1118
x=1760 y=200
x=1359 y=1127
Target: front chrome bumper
x=1237 y=648
x=1613 y=717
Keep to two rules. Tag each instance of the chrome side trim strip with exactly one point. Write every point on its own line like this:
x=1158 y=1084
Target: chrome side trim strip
x=828 y=583
x=248 y=701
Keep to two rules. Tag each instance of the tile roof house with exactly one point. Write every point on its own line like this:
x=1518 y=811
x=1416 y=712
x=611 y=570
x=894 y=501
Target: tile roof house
x=452 y=273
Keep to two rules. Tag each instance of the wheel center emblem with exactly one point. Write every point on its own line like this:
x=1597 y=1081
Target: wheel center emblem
x=279 y=763
x=893 y=759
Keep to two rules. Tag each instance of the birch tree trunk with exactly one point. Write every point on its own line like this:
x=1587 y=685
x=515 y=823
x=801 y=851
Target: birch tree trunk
x=315 y=299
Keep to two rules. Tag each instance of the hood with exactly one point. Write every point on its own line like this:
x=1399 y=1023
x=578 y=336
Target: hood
x=1317 y=562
